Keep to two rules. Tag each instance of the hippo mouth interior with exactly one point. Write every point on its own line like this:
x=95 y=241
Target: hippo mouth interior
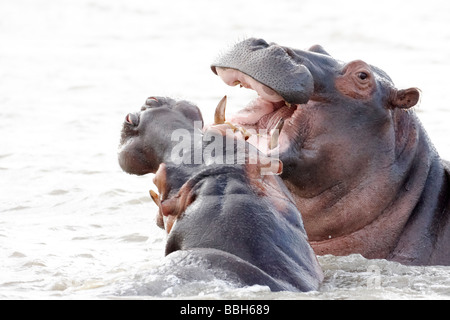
x=263 y=114
x=265 y=111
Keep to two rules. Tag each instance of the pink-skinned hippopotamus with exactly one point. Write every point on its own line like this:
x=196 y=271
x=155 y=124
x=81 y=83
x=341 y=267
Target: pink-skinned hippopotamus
x=232 y=214
x=357 y=160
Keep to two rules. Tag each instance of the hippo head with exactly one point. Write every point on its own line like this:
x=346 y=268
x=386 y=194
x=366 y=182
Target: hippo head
x=334 y=112
x=146 y=135
x=240 y=212
x=343 y=123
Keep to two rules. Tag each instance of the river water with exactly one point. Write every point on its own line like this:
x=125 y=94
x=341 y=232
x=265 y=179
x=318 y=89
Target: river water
x=73 y=225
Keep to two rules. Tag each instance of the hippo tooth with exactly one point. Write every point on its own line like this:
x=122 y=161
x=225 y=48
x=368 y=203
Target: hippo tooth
x=219 y=115
x=275 y=134
x=155 y=197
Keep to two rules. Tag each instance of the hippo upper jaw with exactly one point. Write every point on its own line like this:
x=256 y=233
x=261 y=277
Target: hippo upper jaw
x=262 y=62
x=285 y=83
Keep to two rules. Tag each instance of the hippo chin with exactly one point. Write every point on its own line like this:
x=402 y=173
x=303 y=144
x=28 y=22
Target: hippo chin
x=357 y=160
x=233 y=217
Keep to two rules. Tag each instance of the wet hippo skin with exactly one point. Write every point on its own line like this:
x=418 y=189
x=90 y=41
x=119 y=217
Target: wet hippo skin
x=228 y=216
x=144 y=147
x=357 y=160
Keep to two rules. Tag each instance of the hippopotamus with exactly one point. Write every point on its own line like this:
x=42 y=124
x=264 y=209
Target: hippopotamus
x=358 y=162
x=232 y=216
x=144 y=148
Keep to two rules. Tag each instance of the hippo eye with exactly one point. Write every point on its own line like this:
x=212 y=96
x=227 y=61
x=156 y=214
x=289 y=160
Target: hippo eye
x=362 y=75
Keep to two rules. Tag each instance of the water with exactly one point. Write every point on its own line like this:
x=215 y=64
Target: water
x=73 y=225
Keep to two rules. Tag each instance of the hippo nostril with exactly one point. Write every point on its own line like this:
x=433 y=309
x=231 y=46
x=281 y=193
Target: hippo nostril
x=132 y=119
x=150 y=101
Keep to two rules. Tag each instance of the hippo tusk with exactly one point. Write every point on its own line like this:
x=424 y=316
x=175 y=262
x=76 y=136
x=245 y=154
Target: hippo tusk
x=219 y=115
x=275 y=134
x=219 y=118
x=155 y=198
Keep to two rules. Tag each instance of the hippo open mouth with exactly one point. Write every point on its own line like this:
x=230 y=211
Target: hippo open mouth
x=263 y=114
x=269 y=102
x=282 y=84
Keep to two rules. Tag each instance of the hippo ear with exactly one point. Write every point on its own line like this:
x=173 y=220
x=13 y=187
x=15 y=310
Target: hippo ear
x=404 y=99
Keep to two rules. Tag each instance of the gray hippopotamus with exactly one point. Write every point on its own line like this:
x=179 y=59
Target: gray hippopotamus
x=232 y=216
x=357 y=160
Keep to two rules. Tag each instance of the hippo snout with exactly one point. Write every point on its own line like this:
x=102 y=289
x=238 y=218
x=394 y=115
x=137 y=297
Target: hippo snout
x=271 y=65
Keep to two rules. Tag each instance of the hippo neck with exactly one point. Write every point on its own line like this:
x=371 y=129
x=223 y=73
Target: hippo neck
x=385 y=199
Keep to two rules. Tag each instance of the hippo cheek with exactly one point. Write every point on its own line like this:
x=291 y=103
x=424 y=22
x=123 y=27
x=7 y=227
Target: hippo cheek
x=133 y=160
x=126 y=155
